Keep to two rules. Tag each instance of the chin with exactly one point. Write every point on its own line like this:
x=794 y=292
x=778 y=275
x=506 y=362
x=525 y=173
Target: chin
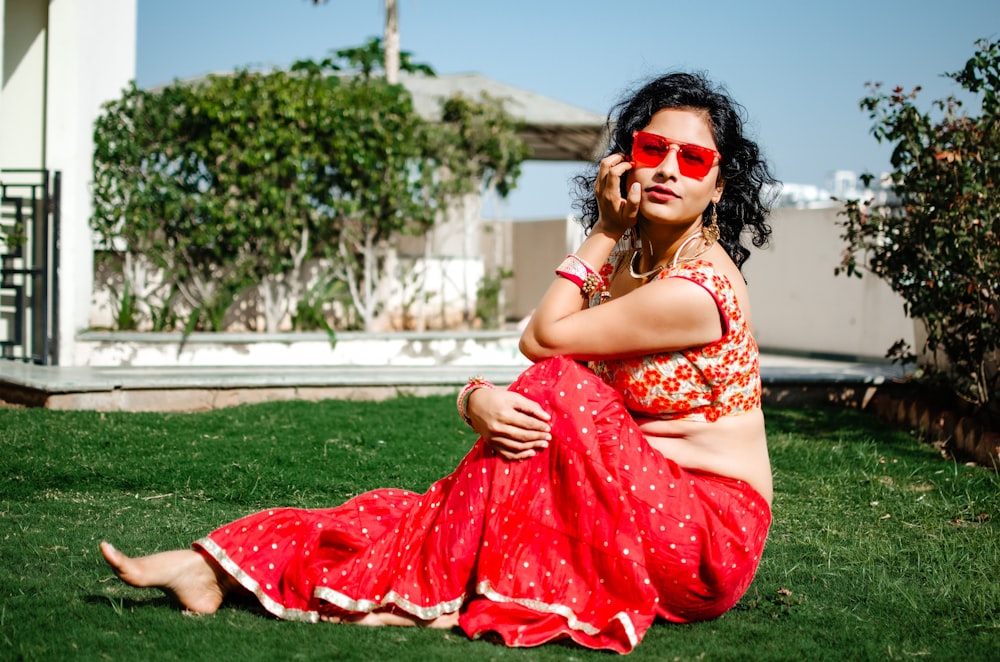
x=659 y=216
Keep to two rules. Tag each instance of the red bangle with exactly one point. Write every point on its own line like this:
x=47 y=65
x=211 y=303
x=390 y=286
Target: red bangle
x=576 y=270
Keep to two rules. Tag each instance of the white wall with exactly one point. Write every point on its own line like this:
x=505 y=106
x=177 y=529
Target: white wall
x=800 y=306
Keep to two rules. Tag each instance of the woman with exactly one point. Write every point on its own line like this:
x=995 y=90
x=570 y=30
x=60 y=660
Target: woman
x=598 y=496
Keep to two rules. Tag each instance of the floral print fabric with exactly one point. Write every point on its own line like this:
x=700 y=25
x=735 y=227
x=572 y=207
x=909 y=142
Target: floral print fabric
x=702 y=383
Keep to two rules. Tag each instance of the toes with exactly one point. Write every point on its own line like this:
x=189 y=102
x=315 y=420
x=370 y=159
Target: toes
x=113 y=557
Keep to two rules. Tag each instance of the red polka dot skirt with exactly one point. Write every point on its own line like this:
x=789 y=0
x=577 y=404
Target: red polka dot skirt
x=591 y=539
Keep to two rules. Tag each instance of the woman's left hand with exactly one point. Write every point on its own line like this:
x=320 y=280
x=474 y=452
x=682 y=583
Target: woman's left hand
x=514 y=426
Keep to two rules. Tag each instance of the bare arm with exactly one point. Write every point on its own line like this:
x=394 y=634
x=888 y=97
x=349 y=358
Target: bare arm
x=665 y=315
x=563 y=300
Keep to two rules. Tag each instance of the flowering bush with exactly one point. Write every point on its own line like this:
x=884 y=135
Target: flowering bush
x=938 y=243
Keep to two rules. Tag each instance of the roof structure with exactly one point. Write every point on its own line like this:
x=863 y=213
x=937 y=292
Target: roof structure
x=553 y=130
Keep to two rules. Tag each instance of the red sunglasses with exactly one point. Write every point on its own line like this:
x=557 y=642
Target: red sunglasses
x=649 y=150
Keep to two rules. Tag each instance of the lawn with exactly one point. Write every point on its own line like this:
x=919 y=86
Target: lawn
x=880 y=549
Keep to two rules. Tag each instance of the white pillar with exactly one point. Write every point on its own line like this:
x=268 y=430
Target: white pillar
x=391 y=42
x=91 y=59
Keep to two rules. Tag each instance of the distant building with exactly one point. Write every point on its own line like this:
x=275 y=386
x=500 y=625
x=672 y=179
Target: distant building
x=841 y=185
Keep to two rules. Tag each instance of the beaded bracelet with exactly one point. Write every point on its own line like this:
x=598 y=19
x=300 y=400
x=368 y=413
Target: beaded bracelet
x=477 y=381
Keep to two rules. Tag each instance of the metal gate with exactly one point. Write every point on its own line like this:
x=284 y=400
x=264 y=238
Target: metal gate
x=29 y=254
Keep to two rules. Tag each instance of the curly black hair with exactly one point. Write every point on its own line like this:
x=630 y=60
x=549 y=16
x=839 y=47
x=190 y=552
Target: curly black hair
x=746 y=201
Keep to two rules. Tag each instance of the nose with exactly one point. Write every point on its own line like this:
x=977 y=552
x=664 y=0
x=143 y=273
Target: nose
x=669 y=166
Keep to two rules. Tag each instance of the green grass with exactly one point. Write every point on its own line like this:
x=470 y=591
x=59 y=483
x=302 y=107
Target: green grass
x=880 y=548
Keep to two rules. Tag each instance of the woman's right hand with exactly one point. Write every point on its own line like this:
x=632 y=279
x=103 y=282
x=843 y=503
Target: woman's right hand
x=616 y=213
x=514 y=426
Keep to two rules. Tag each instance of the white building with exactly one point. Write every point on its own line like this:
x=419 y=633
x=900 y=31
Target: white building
x=841 y=185
x=60 y=60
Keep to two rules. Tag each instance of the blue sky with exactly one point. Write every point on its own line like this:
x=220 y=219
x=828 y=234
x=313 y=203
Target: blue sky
x=799 y=67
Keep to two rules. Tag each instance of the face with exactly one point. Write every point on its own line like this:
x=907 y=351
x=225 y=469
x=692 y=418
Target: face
x=672 y=191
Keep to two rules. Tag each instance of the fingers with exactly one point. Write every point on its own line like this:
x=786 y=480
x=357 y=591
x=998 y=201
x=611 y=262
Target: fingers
x=514 y=450
x=517 y=411
x=521 y=430
x=615 y=160
x=515 y=442
x=530 y=417
x=619 y=212
x=612 y=169
x=532 y=408
x=631 y=209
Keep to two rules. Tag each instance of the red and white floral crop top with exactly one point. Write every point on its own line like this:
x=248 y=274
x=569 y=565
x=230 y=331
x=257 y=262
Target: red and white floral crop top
x=701 y=383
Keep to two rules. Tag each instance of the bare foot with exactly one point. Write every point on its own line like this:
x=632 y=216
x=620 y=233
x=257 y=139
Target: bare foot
x=183 y=573
x=397 y=619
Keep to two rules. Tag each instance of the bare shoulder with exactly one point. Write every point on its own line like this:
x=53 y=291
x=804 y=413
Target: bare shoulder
x=725 y=266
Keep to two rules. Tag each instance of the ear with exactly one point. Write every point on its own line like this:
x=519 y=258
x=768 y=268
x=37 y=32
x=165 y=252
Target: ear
x=720 y=186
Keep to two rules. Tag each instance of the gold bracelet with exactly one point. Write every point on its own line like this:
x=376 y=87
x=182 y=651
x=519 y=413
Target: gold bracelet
x=476 y=381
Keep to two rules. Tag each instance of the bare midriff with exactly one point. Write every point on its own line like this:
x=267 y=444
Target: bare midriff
x=734 y=446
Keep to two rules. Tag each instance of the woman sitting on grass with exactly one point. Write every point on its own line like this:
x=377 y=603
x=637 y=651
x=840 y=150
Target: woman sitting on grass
x=623 y=476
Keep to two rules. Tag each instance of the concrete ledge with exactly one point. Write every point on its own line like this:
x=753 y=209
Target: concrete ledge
x=210 y=387
x=284 y=350
x=188 y=399
x=787 y=380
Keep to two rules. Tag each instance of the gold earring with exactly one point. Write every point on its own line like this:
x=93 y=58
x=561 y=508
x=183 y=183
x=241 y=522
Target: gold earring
x=710 y=232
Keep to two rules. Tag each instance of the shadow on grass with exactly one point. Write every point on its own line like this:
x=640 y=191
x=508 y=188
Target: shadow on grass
x=120 y=605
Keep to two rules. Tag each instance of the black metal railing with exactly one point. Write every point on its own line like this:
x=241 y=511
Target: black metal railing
x=29 y=255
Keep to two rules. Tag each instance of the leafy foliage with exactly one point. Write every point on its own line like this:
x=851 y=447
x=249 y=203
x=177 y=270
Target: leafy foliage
x=939 y=245
x=236 y=183
x=488 y=299
x=366 y=60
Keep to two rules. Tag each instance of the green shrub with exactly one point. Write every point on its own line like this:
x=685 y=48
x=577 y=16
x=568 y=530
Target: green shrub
x=938 y=243
x=238 y=181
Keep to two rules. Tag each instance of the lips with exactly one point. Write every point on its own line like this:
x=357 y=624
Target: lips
x=661 y=194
